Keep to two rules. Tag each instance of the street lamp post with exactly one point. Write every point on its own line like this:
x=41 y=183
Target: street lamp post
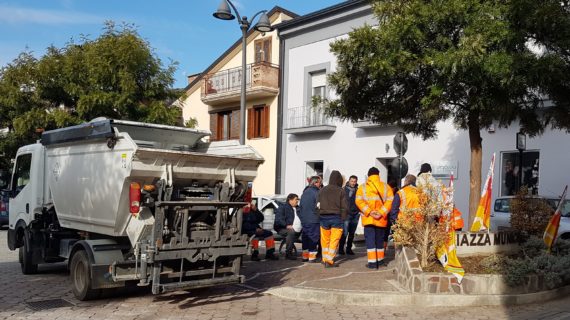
x=263 y=25
x=521 y=146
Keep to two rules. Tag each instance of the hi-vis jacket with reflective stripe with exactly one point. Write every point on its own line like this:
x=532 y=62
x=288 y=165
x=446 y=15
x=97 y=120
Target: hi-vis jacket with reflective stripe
x=374 y=195
x=409 y=197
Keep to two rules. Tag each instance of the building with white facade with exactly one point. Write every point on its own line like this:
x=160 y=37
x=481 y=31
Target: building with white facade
x=310 y=143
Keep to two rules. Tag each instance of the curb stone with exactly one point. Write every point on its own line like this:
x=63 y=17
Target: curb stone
x=374 y=299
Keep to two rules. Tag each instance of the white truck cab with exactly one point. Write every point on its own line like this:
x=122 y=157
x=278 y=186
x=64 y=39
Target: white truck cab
x=26 y=188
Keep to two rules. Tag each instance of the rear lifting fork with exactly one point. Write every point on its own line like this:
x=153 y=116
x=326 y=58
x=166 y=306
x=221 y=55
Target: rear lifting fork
x=184 y=249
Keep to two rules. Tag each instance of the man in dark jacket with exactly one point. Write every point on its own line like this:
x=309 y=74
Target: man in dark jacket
x=284 y=220
x=250 y=226
x=332 y=205
x=351 y=222
x=310 y=219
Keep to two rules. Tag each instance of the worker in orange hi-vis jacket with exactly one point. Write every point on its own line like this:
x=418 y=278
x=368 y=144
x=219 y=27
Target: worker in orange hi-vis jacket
x=374 y=199
x=407 y=197
x=457 y=219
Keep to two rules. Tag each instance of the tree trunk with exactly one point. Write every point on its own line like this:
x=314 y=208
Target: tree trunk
x=475 y=166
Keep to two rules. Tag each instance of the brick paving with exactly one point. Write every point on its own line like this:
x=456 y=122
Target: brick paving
x=232 y=302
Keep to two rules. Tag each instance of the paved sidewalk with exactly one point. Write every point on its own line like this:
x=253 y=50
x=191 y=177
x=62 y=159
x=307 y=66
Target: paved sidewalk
x=351 y=274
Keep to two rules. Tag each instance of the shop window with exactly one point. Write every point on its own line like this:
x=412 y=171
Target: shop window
x=510 y=172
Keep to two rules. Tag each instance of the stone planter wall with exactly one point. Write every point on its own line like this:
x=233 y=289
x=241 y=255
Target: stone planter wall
x=412 y=278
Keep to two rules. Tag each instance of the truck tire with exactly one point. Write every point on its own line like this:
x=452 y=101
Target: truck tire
x=26 y=257
x=80 y=274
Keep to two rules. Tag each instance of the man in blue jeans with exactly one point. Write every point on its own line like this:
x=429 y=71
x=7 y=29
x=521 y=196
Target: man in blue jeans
x=352 y=218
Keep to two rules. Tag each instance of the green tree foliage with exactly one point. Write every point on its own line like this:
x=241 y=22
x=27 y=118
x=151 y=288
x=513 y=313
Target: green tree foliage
x=116 y=75
x=474 y=62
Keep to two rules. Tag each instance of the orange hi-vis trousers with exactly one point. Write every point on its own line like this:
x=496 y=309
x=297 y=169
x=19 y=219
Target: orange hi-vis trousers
x=269 y=243
x=309 y=255
x=329 y=243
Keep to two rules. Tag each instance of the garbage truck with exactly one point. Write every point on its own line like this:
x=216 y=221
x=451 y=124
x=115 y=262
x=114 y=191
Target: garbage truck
x=128 y=203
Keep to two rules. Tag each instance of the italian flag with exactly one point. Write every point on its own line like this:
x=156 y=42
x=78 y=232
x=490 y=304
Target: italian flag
x=552 y=228
x=447 y=253
x=482 y=219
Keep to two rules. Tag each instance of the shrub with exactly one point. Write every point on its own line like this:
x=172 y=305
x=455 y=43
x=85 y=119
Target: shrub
x=516 y=271
x=494 y=263
x=561 y=247
x=529 y=216
x=533 y=246
x=421 y=228
x=554 y=267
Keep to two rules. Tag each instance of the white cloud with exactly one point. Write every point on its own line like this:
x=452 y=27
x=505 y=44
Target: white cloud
x=20 y=15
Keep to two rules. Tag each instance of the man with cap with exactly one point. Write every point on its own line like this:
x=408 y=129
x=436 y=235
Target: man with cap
x=374 y=199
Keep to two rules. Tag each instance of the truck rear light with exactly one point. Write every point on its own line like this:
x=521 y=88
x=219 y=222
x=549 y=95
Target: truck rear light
x=248 y=193
x=247 y=197
x=135 y=197
x=149 y=187
x=2 y=206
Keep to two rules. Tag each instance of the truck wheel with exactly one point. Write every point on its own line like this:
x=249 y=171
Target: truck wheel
x=80 y=273
x=26 y=259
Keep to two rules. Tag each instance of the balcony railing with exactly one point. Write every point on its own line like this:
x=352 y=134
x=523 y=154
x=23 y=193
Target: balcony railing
x=225 y=85
x=313 y=119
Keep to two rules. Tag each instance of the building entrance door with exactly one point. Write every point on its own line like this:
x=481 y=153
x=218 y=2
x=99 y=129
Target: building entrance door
x=386 y=171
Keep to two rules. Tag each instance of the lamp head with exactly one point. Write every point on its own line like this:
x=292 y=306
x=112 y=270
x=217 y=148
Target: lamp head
x=224 y=12
x=263 y=24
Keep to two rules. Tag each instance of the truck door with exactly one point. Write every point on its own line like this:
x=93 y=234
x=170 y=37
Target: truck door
x=21 y=191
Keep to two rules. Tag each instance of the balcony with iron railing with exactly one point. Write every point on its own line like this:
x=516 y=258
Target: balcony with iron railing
x=303 y=120
x=225 y=86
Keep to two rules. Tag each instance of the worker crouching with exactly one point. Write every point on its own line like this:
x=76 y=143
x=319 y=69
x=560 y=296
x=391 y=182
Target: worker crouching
x=252 y=218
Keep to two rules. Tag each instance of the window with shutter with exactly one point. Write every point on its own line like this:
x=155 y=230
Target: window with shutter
x=258 y=123
x=250 y=123
x=262 y=49
x=214 y=126
x=224 y=125
x=235 y=124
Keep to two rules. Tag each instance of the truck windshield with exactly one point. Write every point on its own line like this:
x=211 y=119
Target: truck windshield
x=22 y=173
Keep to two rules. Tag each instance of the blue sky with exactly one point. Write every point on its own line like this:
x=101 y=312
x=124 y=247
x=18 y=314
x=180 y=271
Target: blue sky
x=181 y=30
